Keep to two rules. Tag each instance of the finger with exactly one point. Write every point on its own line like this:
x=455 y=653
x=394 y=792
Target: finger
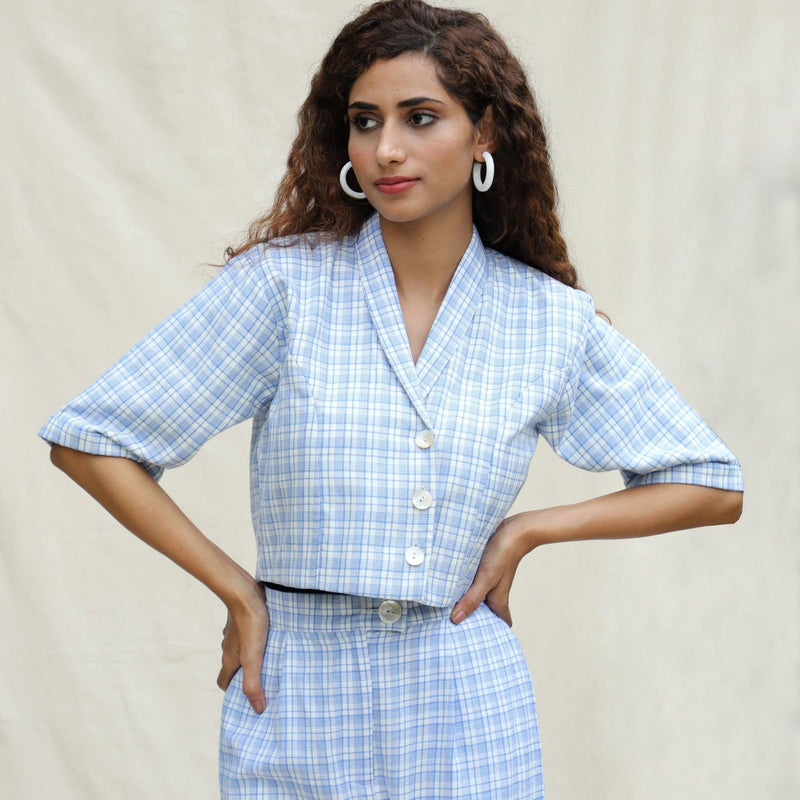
x=225 y=677
x=252 y=685
x=498 y=603
x=498 y=599
x=230 y=664
x=472 y=598
x=230 y=660
x=252 y=660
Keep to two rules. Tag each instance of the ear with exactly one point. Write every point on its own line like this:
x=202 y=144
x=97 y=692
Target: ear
x=484 y=134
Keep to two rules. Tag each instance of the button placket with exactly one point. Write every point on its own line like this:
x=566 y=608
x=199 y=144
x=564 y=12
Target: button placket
x=422 y=499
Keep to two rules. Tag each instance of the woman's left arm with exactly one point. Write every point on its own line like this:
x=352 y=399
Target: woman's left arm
x=630 y=513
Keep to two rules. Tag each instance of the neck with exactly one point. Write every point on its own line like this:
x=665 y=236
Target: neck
x=425 y=254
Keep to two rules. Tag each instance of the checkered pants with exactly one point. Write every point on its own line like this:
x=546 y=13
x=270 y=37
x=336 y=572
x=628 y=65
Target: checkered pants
x=365 y=709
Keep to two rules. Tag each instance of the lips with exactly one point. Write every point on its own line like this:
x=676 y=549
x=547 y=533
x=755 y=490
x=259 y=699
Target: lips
x=395 y=184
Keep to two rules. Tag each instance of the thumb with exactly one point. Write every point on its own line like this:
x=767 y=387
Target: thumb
x=251 y=682
x=472 y=598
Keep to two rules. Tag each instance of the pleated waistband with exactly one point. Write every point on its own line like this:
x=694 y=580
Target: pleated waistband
x=318 y=612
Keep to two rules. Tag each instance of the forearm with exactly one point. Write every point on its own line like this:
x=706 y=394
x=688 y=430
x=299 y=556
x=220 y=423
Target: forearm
x=639 y=511
x=131 y=495
x=128 y=492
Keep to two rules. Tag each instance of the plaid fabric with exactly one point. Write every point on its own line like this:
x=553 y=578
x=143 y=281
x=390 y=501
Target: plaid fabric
x=360 y=709
x=358 y=454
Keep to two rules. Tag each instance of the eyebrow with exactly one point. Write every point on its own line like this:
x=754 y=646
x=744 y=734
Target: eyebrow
x=412 y=101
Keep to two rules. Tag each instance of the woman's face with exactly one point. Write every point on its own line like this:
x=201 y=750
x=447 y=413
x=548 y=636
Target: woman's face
x=411 y=144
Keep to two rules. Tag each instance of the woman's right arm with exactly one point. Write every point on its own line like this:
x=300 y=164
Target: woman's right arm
x=127 y=491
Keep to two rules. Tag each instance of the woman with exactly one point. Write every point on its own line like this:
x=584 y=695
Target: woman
x=398 y=365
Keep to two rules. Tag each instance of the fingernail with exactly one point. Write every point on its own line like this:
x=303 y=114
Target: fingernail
x=458 y=616
x=259 y=706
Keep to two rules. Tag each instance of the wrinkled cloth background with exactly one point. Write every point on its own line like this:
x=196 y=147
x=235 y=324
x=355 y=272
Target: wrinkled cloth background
x=139 y=139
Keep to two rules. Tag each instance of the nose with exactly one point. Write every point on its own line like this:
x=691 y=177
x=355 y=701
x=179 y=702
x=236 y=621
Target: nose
x=390 y=148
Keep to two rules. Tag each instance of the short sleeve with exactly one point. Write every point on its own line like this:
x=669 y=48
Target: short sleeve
x=210 y=365
x=618 y=412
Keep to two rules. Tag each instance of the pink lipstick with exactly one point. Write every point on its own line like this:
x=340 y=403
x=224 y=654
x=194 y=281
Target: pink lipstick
x=395 y=184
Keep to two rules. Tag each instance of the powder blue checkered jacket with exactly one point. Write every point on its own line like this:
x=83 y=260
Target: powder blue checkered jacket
x=357 y=453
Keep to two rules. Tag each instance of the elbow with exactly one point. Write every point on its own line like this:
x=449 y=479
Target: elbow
x=64 y=457
x=731 y=510
x=57 y=452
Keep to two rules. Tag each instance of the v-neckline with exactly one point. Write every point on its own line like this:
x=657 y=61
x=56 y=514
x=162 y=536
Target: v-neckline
x=449 y=325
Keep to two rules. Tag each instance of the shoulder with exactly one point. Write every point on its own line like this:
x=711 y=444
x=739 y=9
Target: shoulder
x=294 y=263
x=524 y=289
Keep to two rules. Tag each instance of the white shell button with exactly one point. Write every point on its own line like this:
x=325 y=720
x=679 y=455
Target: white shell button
x=390 y=611
x=424 y=439
x=415 y=555
x=422 y=499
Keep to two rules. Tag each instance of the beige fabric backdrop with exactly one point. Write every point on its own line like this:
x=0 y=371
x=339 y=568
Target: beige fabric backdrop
x=139 y=138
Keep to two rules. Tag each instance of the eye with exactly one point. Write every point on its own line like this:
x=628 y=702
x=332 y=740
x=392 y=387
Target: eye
x=361 y=123
x=421 y=118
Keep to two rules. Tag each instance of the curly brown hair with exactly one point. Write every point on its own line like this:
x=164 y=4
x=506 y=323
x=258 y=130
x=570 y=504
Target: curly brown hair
x=517 y=217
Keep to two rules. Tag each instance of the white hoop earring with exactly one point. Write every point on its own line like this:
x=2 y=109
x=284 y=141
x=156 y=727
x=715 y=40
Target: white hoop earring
x=483 y=185
x=345 y=187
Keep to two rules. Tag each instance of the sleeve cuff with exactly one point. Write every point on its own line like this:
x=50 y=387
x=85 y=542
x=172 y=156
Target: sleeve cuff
x=93 y=442
x=714 y=474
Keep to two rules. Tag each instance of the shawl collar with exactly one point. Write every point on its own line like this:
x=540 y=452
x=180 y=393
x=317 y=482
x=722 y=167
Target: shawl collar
x=452 y=320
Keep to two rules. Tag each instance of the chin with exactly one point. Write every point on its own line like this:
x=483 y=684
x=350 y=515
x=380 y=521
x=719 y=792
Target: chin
x=397 y=215
x=406 y=214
